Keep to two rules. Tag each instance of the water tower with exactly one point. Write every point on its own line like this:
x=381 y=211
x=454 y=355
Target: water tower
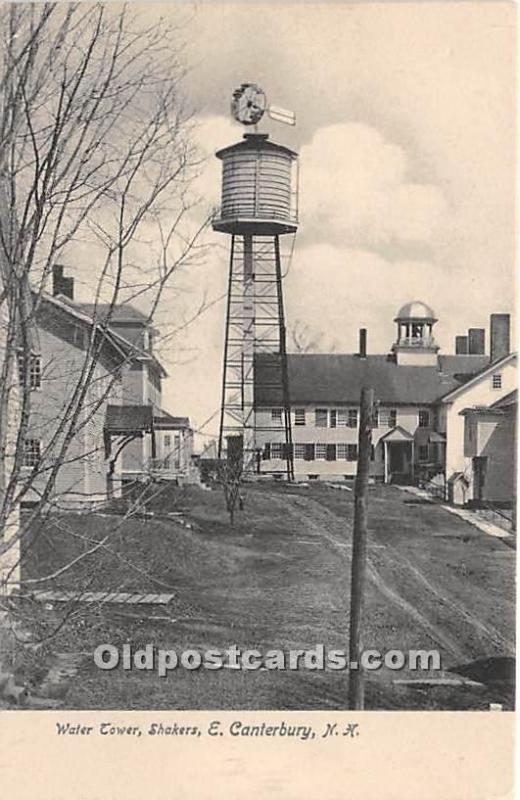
x=259 y=204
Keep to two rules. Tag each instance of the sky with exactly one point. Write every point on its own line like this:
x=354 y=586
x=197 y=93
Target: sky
x=405 y=133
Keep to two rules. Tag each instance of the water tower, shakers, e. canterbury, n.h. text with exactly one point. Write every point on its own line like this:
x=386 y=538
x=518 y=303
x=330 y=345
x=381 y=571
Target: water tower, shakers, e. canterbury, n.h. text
x=259 y=204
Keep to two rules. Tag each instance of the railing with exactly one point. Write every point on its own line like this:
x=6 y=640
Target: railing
x=503 y=517
x=417 y=341
x=252 y=211
x=434 y=488
x=163 y=465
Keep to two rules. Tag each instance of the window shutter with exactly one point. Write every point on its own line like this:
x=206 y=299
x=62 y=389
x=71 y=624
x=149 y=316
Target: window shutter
x=309 y=452
x=331 y=452
x=267 y=452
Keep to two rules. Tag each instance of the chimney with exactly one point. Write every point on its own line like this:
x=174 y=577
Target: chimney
x=362 y=342
x=499 y=336
x=476 y=341
x=61 y=284
x=461 y=345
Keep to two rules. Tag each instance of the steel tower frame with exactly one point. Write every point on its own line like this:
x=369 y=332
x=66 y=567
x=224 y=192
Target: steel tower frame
x=255 y=327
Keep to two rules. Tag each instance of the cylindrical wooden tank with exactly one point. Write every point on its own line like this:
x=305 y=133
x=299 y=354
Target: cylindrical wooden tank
x=259 y=189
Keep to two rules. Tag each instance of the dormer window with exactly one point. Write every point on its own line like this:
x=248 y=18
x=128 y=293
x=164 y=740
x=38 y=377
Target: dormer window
x=496 y=380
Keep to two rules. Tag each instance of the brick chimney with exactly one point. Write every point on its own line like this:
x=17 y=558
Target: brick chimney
x=461 y=345
x=499 y=325
x=362 y=342
x=61 y=284
x=476 y=341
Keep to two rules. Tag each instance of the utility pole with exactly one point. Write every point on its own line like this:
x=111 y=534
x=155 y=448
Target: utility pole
x=359 y=550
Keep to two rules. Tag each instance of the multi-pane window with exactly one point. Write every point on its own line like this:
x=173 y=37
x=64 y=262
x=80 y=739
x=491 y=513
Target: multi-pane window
x=299 y=450
x=497 y=380
x=388 y=418
x=352 y=417
x=424 y=418
x=35 y=370
x=321 y=452
x=276 y=414
x=341 y=417
x=277 y=450
x=346 y=452
x=424 y=452
x=333 y=417
x=299 y=416
x=31 y=452
x=321 y=417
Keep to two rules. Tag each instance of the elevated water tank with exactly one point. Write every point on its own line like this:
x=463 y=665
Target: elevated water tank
x=259 y=191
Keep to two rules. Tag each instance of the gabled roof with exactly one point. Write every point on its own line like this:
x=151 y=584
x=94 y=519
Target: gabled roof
x=138 y=353
x=122 y=314
x=397 y=434
x=167 y=422
x=119 y=313
x=487 y=370
x=498 y=408
x=111 y=339
x=507 y=401
x=338 y=378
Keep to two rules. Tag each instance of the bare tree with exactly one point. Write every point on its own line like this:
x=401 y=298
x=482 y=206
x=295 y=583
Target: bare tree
x=95 y=151
x=303 y=339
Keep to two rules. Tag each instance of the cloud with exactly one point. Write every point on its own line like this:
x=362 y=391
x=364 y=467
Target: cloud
x=336 y=290
x=211 y=133
x=355 y=188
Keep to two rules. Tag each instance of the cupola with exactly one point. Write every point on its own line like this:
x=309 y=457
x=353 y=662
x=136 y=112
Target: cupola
x=415 y=345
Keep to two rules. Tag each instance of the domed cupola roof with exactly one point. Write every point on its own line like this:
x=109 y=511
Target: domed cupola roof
x=416 y=310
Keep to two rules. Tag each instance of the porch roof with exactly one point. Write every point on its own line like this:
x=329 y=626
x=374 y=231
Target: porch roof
x=141 y=419
x=128 y=419
x=397 y=434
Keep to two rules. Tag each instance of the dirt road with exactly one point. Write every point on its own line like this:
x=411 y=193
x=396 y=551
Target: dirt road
x=280 y=580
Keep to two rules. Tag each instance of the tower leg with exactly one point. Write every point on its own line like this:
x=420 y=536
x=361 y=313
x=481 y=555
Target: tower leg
x=289 y=450
x=226 y=342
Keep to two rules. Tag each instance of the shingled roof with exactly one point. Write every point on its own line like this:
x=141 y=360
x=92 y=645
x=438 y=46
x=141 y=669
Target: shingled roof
x=118 y=313
x=128 y=419
x=141 y=418
x=338 y=378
